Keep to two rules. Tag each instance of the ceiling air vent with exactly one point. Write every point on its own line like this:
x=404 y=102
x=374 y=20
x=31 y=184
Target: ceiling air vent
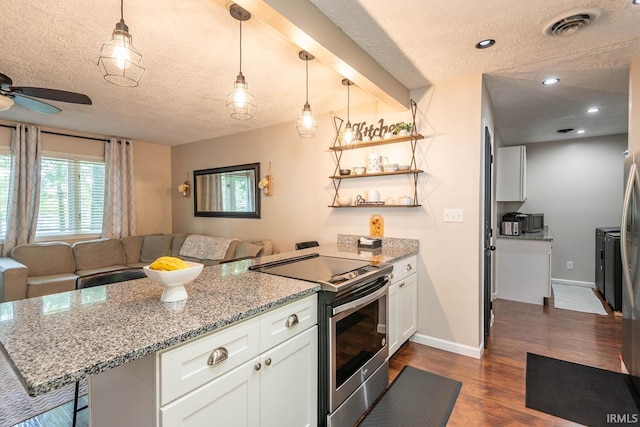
x=571 y=23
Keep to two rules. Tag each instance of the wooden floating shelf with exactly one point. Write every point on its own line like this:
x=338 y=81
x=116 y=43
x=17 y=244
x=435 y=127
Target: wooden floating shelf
x=379 y=142
x=375 y=206
x=365 y=175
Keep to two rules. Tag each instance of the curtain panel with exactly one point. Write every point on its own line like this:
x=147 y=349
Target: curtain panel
x=24 y=187
x=119 y=218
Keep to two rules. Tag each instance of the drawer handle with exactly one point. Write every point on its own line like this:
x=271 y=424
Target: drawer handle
x=402 y=285
x=218 y=355
x=291 y=321
x=257 y=366
x=268 y=361
x=409 y=267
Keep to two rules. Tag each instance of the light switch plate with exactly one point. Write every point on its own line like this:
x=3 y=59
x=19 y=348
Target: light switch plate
x=453 y=215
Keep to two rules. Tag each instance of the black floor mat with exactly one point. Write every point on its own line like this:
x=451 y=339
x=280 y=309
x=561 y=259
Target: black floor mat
x=583 y=394
x=415 y=398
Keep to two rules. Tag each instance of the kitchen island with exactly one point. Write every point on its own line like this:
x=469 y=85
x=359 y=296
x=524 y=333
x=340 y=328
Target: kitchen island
x=59 y=339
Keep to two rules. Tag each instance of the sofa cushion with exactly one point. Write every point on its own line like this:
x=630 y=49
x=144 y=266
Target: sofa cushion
x=43 y=259
x=132 y=247
x=246 y=249
x=38 y=286
x=98 y=253
x=153 y=247
x=177 y=242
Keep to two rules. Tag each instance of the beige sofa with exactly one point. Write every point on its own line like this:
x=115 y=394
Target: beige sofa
x=37 y=269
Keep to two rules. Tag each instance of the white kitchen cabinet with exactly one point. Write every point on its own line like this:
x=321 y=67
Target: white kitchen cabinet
x=523 y=269
x=403 y=305
x=278 y=388
x=266 y=375
x=511 y=171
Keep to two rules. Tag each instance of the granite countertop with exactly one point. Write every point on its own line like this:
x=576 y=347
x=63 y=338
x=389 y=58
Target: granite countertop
x=61 y=338
x=542 y=235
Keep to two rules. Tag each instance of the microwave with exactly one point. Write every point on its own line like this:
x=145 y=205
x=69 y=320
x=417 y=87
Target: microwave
x=533 y=223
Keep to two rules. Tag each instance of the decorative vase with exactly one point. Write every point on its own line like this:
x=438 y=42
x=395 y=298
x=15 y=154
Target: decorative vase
x=374 y=163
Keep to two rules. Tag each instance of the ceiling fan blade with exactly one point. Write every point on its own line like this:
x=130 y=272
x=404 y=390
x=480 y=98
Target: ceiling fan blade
x=35 y=105
x=53 y=94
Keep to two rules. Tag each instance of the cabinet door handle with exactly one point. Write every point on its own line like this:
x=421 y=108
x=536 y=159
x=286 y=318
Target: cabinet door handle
x=268 y=361
x=291 y=321
x=409 y=267
x=257 y=366
x=218 y=355
x=401 y=285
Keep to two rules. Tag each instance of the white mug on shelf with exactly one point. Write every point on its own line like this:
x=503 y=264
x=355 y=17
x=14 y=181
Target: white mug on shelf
x=373 y=196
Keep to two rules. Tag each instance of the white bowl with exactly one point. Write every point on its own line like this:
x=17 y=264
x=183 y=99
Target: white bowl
x=405 y=200
x=359 y=170
x=173 y=281
x=344 y=201
x=391 y=167
x=403 y=167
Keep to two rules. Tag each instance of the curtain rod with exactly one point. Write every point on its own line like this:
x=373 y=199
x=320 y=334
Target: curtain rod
x=61 y=134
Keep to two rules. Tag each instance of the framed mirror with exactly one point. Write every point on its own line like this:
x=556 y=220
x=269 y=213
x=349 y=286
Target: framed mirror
x=229 y=192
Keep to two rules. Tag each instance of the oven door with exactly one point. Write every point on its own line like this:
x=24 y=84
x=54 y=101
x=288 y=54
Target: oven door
x=357 y=343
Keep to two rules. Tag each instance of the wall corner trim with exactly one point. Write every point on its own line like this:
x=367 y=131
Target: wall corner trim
x=453 y=347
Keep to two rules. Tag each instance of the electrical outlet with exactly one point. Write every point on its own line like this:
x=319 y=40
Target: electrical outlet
x=453 y=215
x=569 y=265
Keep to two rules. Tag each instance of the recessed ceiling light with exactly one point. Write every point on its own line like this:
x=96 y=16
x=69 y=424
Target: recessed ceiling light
x=485 y=43
x=581 y=131
x=551 y=81
x=594 y=109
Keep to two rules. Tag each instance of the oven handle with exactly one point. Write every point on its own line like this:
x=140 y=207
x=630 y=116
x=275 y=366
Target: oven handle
x=362 y=301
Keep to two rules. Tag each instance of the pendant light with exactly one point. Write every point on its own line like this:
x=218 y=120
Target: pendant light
x=307 y=125
x=119 y=61
x=240 y=102
x=348 y=136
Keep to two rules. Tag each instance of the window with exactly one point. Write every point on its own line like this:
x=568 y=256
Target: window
x=235 y=192
x=71 y=197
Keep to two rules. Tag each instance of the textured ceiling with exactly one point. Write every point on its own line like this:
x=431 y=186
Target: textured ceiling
x=190 y=49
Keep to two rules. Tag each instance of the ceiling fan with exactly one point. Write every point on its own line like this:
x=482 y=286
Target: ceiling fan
x=23 y=96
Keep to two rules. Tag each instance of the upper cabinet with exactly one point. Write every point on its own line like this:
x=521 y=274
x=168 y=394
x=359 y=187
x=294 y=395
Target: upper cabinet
x=511 y=170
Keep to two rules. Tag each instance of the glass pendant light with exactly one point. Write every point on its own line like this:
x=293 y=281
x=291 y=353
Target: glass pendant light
x=349 y=136
x=240 y=102
x=119 y=61
x=307 y=125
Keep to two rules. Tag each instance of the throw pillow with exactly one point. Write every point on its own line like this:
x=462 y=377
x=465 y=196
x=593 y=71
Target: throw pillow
x=246 y=249
x=153 y=247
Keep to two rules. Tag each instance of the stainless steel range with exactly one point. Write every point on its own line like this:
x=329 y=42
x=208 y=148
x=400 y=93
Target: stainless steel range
x=353 y=369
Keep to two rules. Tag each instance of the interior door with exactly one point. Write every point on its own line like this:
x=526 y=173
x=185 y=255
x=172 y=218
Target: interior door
x=488 y=248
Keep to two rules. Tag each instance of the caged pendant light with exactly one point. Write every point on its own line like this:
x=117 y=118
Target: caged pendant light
x=119 y=61
x=240 y=102
x=348 y=137
x=307 y=125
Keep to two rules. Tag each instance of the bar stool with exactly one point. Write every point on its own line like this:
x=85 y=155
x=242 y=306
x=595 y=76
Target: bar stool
x=99 y=279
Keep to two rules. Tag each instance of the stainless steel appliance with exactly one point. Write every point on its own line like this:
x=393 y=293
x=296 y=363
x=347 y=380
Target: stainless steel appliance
x=353 y=369
x=630 y=253
x=533 y=223
x=599 y=255
x=512 y=224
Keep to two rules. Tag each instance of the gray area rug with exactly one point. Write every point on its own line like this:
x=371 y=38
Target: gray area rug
x=16 y=405
x=577 y=298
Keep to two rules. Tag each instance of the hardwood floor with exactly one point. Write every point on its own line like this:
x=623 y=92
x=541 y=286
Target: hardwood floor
x=493 y=390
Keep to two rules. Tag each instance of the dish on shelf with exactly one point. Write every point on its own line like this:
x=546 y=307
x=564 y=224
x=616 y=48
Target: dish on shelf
x=344 y=201
x=391 y=167
x=405 y=200
x=359 y=170
x=345 y=171
x=403 y=167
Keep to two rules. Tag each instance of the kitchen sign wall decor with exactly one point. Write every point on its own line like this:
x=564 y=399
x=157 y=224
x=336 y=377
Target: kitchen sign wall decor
x=362 y=130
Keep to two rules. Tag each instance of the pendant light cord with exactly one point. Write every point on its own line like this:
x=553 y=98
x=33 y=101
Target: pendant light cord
x=348 y=98
x=122 y=10
x=240 y=46
x=307 y=64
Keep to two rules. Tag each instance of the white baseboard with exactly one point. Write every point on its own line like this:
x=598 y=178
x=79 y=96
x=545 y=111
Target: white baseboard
x=573 y=283
x=452 y=347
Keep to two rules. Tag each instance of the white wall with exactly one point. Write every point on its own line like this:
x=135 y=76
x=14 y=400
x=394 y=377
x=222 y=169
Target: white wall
x=449 y=115
x=578 y=185
x=634 y=105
